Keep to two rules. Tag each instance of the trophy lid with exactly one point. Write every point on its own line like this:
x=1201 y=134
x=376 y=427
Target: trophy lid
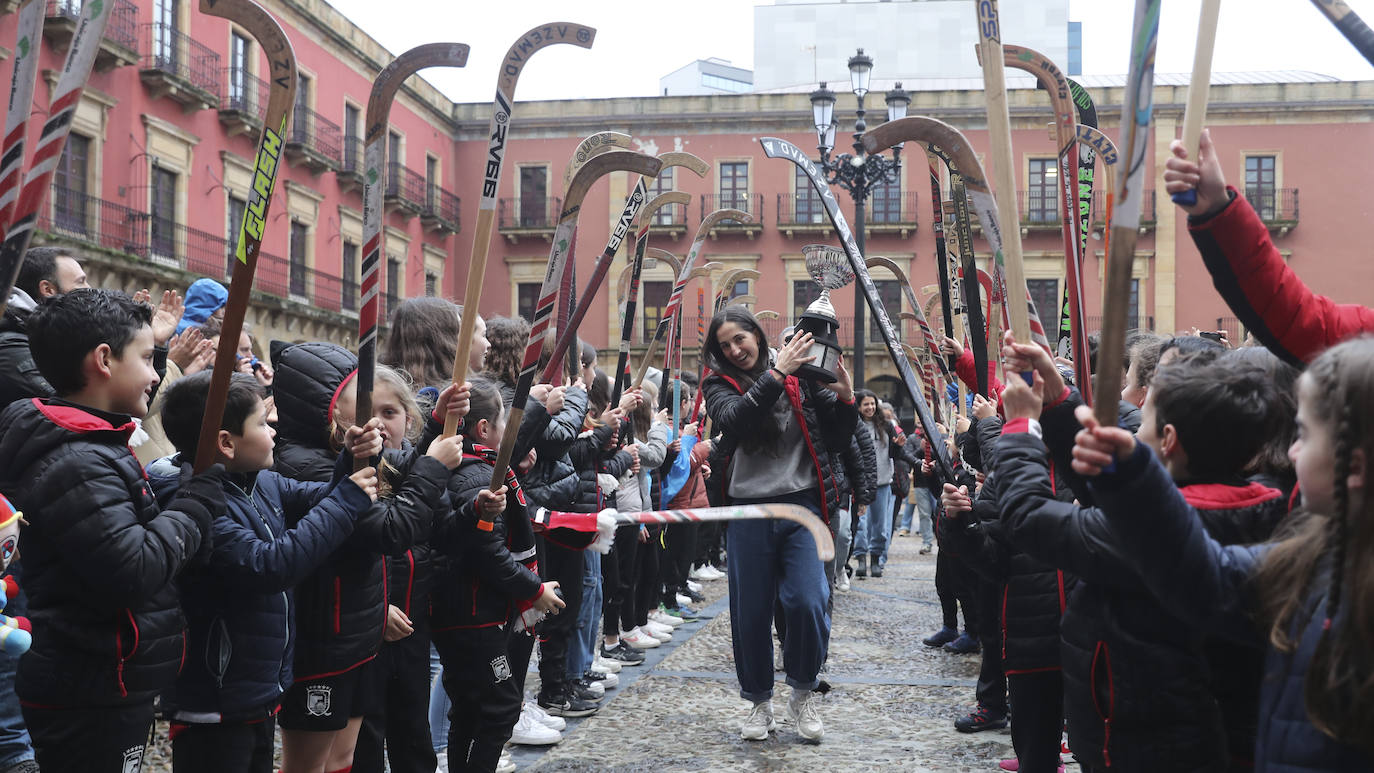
x=829 y=266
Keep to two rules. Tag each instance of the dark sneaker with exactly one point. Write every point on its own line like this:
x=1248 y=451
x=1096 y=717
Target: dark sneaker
x=982 y=719
x=686 y=614
x=941 y=637
x=591 y=692
x=877 y=570
x=862 y=571
x=565 y=704
x=925 y=550
x=623 y=653
x=964 y=645
x=696 y=598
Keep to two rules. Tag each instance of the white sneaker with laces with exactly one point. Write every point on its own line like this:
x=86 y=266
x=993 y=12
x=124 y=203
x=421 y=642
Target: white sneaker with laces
x=665 y=619
x=606 y=664
x=443 y=761
x=543 y=717
x=640 y=640
x=710 y=573
x=843 y=582
x=506 y=764
x=683 y=601
x=801 y=710
x=604 y=678
x=531 y=732
x=760 y=722
x=695 y=587
x=657 y=630
x=695 y=574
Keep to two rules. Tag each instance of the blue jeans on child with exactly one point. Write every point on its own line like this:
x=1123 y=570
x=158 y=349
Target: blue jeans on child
x=582 y=646
x=774 y=561
x=875 y=526
x=438 y=702
x=15 y=746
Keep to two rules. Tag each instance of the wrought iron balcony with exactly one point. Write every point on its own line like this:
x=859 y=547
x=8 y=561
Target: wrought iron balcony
x=313 y=141
x=528 y=216
x=405 y=190
x=1276 y=207
x=751 y=203
x=1148 y=218
x=350 y=173
x=118 y=48
x=441 y=210
x=244 y=106
x=176 y=66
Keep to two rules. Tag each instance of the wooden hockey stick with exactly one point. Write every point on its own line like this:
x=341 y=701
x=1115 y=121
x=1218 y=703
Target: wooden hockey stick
x=1137 y=110
x=593 y=170
x=28 y=37
x=1198 y=86
x=517 y=57
x=634 y=270
x=1066 y=140
x=1010 y=274
x=948 y=305
x=922 y=361
x=595 y=145
x=1087 y=171
x=379 y=102
x=1105 y=149
x=627 y=224
x=1350 y=24
x=778 y=148
x=47 y=152
x=825 y=545
x=917 y=313
x=281 y=100
x=966 y=292
x=960 y=389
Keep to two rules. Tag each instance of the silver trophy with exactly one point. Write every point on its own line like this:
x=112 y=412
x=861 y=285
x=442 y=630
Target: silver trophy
x=829 y=267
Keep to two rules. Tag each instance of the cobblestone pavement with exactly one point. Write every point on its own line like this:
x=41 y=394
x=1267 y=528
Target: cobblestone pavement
x=891 y=708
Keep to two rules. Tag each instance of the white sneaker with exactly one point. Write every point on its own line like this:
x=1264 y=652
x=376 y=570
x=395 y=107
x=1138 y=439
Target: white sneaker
x=803 y=714
x=695 y=587
x=695 y=574
x=594 y=689
x=657 y=630
x=639 y=639
x=538 y=714
x=662 y=618
x=505 y=764
x=604 y=678
x=606 y=665
x=684 y=601
x=531 y=732
x=760 y=722
x=843 y=582
x=710 y=573
x=443 y=761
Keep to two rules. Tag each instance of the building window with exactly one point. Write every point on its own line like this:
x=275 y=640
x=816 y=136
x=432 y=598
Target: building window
x=393 y=286
x=353 y=142
x=394 y=162
x=534 y=186
x=725 y=84
x=233 y=228
x=887 y=203
x=653 y=298
x=890 y=293
x=240 y=95
x=809 y=208
x=1261 y=185
x=162 y=239
x=431 y=284
x=1043 y=194
x=297 y=258
x=350 y=276
x=734 y=186
x=663 y=184
x=1045 y=294
x=527 y=299
x=69 y=184
x=166 y=20
x=1133 y=305
x=804 y=292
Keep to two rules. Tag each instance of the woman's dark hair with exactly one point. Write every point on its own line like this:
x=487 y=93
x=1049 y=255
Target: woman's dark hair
x=1193 y=345
x=423 y=340
x=1144 y=355
x=587 y=354
x=767 y=434
x=486 y=401
x=877 y=424
x=599 y=394
x=642 y=418
x=183 y=405
x=1327 y=554
x=1272 y=460
x=507 y=336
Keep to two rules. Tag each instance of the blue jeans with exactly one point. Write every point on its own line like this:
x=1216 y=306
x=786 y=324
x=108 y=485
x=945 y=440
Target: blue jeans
x=582 y=645
x=438 y=702
x=925 y=503
x=875 y=526
x=908 y=510
x=15 y=745
x=775 y=561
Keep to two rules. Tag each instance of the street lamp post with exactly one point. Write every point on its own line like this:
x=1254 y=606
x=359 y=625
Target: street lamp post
x=859 y=173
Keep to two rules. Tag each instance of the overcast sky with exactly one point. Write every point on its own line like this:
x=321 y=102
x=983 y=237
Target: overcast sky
x=638 y=42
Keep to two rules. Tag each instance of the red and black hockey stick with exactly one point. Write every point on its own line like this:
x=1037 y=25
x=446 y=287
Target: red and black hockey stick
x=645 y=219
x=26 y=46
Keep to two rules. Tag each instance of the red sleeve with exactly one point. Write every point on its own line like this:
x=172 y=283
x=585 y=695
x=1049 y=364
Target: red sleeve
x=968 y=374
x=1264 y=293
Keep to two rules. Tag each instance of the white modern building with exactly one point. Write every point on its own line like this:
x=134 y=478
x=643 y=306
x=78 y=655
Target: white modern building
x=706 y=76
x=798 y=43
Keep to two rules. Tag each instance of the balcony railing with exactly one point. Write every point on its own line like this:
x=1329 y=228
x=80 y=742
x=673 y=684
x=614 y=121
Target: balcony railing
x=121 y=30
x=801 y=209
x=189 y=70
x=350 y=171
x=1039 y=207
x=115 y=227
x=317 y=140
x=753 y=204
x=243 y=107
x=441 y=209
x=1277 y=207
x=1147 y=208
x=404 y=188
x=528 y=212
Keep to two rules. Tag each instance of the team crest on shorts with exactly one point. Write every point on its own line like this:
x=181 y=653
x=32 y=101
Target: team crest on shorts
x=133 y=759
x=500 y=668
x=317 y=700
